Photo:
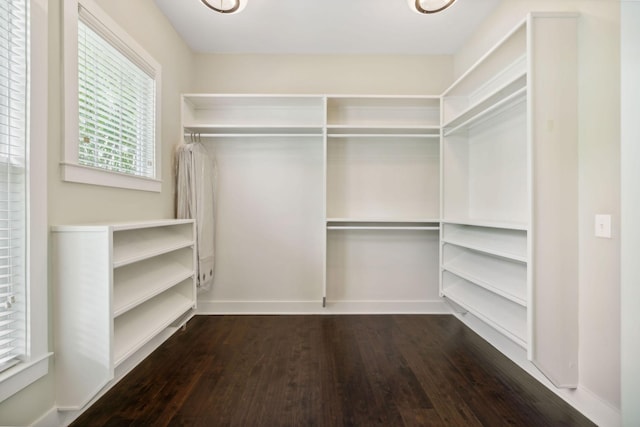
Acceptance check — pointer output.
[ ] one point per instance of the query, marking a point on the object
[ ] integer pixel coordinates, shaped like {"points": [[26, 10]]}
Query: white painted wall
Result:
{"points": [[630, 154], [74, 203], [599, 156], [323, 74]]}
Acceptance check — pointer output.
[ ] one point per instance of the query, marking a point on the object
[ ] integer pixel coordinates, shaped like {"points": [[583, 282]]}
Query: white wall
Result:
{"points": [[74, 203], [599, 156], [323, 74], [630, 154]]}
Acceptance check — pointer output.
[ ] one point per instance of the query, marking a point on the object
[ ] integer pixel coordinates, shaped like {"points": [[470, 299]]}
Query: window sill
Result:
{"points": [[23, 374], [88, 175]]}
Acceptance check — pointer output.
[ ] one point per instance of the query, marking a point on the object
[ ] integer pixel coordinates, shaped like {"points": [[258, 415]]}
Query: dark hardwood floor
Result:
{"points": [[395, 370]]}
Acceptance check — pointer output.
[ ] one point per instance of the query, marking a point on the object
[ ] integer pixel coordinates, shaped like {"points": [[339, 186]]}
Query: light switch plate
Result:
{"points": [[603, 226]]}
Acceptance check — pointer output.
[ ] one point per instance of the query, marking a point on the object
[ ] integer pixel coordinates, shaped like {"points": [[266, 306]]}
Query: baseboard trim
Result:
{"points": [[315, 307], [581, 398], [50, 419]]}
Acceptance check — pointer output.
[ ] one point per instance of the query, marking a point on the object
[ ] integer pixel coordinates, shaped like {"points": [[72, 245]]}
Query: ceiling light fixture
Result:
{"points": [[429, 6], [225, 6]]}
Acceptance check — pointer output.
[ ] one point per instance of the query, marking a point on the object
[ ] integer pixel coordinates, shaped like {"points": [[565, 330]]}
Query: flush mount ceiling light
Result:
{"points": [[429, 6], [225, 6]]}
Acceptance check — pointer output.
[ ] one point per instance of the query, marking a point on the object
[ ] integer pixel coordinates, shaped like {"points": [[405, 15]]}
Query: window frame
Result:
{"points": [[71, 169], [36, 364]]}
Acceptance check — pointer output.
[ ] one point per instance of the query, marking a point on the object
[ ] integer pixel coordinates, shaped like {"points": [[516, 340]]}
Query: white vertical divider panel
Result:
{"points": [[82, 318], [554, 229], [325, 213]]}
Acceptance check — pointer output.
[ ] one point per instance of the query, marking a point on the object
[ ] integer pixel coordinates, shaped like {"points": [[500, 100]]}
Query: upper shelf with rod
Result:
{"points": [[219, 115]]}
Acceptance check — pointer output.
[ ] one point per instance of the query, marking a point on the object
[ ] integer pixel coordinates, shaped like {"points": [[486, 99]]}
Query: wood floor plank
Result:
{"points": [[400, 370]]}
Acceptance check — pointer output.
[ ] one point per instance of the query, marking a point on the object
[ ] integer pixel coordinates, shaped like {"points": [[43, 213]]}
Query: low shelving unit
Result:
{"points": [[118, 286]]}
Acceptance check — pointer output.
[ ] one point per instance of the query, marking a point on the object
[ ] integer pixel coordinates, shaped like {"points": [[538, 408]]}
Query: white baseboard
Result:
{"points": [[50, 419], [582, 399], [315, 307]]}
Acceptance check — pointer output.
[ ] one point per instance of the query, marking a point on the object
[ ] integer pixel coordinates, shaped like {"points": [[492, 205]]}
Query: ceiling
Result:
{"points": [[326, 26]]}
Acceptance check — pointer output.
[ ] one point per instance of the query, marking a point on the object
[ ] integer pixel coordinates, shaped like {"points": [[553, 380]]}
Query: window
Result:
{"points": [[13, 142], [23, 215], [111, 90]]}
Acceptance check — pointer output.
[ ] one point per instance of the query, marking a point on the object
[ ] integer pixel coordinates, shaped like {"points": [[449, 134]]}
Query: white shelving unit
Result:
{"points": [[241, 116], [269, 214], [382, 200], [117, 287], [509, 187]]}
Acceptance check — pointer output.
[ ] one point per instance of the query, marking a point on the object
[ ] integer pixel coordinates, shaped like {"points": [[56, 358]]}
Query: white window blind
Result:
{"points": [[117, 106], [13, 139]]}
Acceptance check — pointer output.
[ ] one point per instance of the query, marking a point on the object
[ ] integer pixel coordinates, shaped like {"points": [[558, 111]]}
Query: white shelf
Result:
{"points": [[409, 112], [385, 220], [506, 243], [253, 114], [135, 328], [338, 224], [137, 245], [373, 131], [136, 283], [502, 314], [509, 225], [207, 131], [491, 107], [499, 275]]}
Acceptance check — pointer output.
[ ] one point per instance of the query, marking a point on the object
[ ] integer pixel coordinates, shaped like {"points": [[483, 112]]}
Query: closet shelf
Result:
{"points": [[387, 224], [500, 276], [347, 131], [132, 329], [508, 225], [218, 131], [491, 107], [135, 251], [159, 274], [482, 246], [505, 243], [498, 312]]}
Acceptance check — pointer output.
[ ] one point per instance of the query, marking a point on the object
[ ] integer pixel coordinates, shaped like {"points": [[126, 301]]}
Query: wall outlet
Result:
{"points": [[603, 226]]}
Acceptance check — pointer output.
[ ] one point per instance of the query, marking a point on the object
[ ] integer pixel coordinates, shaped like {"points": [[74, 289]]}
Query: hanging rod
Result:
{"points": [[197, 137]]}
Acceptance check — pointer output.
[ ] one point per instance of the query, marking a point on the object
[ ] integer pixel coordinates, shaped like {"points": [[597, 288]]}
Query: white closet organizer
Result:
{"points": [[252, 115], [269, 224], [117, 287], [382, 201], [509, 192]]}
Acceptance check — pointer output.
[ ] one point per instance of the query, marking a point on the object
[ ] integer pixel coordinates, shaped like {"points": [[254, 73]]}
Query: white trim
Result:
{"points": [[87, 175], [582, 399], [71, 170], [23, 374], [315, 307], [49, 419], [37, 366]]}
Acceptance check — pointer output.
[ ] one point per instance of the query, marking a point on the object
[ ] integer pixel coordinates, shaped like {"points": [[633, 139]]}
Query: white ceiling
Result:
{"points": [[326, 26]]}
